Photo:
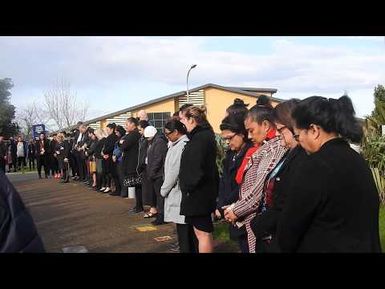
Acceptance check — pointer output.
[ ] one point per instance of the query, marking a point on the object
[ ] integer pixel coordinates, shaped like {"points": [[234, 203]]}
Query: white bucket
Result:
{"points": [[131, 192]]}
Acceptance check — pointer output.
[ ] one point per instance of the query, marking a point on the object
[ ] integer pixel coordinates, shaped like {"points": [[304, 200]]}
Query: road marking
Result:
{"points": [[162, 238], [146, 228], [75, 249]]}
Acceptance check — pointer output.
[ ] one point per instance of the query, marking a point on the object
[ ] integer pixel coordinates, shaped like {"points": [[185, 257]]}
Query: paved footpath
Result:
{"points": [[70, 215]]}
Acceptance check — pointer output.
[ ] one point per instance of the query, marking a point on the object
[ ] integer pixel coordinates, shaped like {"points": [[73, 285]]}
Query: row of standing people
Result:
{"points": [[298, 186], [14, 155]]}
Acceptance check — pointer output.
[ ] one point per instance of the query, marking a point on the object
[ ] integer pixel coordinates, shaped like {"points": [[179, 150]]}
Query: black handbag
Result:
{"points": [[132, 181]]}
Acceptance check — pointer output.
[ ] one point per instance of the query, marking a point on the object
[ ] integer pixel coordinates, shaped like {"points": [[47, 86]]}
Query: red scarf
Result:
{"points": [[239, 176]]}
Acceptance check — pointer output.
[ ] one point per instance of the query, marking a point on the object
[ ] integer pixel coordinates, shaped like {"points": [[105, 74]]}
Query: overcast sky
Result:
{"points": [[112, 73]]}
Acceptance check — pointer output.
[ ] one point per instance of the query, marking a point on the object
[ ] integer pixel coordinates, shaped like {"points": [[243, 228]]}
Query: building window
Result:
{"points": [[158, 119]]}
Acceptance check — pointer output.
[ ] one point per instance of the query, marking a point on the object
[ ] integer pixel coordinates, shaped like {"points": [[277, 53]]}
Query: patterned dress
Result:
{"points": [[250, 193]]}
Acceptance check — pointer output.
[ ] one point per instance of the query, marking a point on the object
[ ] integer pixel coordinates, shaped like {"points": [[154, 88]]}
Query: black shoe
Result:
{"points": [[158, 222], [64, 181], [135, 210], [114, 194]]}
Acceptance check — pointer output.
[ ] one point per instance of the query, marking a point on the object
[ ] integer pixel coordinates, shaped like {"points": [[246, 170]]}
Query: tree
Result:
{"points": [[373, 144], [30, 115], [62, 105], [7, 110]]}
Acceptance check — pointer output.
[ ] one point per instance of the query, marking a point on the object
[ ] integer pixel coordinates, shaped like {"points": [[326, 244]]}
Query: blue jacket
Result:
{"points": [[17, 229]]}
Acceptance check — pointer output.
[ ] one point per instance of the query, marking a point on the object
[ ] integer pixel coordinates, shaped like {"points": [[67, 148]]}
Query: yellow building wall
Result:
{"points": [[164, 106], [218, 100]]}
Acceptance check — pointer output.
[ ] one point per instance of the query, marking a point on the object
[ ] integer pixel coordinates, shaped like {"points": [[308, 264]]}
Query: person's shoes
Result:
{"points": [[174, 247], [64, 181], [114, 194], [107, 190], [102, 189], [135, 210], [150, 215], [158, 222]]}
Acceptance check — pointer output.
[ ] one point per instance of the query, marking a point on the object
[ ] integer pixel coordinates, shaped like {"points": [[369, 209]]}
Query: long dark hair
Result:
{"points": [[333, 115], [234, 123], [174, 124], [263, 110], [238, 106], [198, 113], [112, 126], [282, 113]]}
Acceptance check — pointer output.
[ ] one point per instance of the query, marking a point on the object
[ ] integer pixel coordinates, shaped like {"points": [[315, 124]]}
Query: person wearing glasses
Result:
{"points": [[333, 203], [235, 135], [259, 124], [264, 224]]}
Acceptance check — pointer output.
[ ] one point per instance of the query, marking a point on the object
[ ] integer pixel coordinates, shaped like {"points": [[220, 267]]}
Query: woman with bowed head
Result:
{"points": [[333, 203]]}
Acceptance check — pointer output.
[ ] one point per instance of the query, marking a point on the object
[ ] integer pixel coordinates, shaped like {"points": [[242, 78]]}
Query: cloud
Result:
{"points": [[102, 69]]}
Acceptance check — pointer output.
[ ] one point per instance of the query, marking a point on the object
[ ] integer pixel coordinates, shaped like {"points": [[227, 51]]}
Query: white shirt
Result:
{"points": [[79, 137]]}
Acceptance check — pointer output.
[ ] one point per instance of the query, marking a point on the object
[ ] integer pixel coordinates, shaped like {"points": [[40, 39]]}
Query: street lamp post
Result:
{"points": [[188, 73]]}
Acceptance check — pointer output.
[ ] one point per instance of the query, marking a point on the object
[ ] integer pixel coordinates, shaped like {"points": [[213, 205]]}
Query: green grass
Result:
{"points": [[382, 227], [221, 232]]}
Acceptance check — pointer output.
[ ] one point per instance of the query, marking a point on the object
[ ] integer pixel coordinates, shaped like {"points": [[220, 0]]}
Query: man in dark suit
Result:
{"points": [[13, 153], [80, 145], [42, 152]]}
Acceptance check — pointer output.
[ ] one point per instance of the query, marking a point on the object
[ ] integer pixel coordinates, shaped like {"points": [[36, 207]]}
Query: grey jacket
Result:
{"points": [[170, 188]]}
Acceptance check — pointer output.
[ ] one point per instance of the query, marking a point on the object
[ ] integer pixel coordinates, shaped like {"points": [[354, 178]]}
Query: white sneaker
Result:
{"points": [[102, 189], [107, 190]]}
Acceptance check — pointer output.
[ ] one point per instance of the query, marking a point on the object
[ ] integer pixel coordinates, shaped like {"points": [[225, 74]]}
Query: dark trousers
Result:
{"points": [[21, 162], [31, 161], [159, 200], [73, 165], [53, 165], [81, 166], [188, 243], [41, 161], [14, 162], [65, 170], [123, 189], [138, 197], [243, 245], [2, 164], [115, 177]]}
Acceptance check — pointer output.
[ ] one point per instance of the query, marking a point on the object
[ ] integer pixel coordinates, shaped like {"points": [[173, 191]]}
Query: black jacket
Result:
{"points": [[92, 147], [62, 150], [17, 229], [46, 148], [142, 154], [109, 144], [99, 147], [198, 174], [228, 187], [332, 204], [13, 146], [31, 150], [156, 155], [129, 149], [265, 224], [3, 150]]}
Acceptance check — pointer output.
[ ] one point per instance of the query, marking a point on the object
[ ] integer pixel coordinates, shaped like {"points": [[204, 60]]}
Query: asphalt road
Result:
{"points": [[71, 215]]}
